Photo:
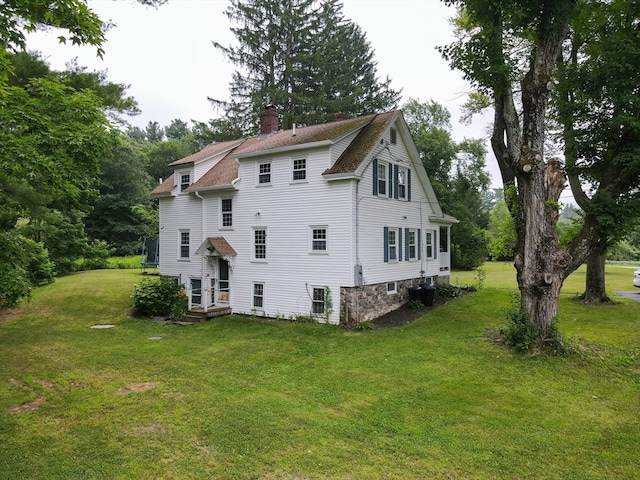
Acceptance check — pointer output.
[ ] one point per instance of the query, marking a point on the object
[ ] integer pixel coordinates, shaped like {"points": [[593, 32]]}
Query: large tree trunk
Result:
{"points": [[540, 263], [595, 291]]}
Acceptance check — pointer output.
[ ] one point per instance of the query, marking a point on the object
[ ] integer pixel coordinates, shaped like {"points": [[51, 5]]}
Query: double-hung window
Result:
{"points": [[226, 209], [185, 180], [382, 178], [264, 173], [412, 245], [258, 295], [392, 245], [319, 239], [429, 243], [259, 244], [317, 304], [184, 244], [299, 169], [402, 183]]}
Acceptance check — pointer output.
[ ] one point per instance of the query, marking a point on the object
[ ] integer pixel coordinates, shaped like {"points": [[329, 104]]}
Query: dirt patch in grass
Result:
{"points": [[136, 387], [8, 314], [26, 407]]}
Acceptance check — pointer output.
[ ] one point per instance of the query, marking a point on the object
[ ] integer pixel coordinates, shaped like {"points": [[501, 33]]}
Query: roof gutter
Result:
{"points": [[443, 220]]}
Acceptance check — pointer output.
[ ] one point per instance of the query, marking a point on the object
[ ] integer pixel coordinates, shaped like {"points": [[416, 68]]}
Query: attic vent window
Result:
{"points": [[393, 136]]}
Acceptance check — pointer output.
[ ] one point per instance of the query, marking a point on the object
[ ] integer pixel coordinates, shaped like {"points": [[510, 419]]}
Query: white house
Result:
{"points": [[334, 221]]}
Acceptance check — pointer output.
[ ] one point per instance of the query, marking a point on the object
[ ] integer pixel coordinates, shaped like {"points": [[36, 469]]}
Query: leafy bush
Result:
{"points": [[415, 305], [160, 297], [447, 290], [523, 335], [96, 256], [364, 325], [24, 264]]}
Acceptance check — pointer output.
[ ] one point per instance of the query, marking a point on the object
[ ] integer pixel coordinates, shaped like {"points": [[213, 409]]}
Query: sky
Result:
{"points": [[167, 57]]}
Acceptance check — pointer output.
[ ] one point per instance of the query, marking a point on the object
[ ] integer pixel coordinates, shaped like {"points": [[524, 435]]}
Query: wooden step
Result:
{"points": [[196, 315]]}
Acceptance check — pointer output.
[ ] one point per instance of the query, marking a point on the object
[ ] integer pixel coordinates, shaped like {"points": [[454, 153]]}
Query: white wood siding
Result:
{"points": [[182, 212], [377, 212], [287, 209]]}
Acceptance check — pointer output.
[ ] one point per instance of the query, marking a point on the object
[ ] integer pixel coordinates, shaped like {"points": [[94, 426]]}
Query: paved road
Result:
{"points": [[633, 294]]}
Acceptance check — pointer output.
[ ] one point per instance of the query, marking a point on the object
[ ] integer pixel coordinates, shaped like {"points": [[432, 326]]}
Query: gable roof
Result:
{"points": [[223, 174], [209, 151], [216, 245], [364, 142]]}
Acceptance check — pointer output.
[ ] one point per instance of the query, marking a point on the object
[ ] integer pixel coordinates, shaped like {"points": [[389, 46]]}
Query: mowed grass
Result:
{"points": [[243, 398]]}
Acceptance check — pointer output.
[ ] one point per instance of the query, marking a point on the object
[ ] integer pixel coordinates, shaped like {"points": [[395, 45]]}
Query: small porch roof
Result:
{"points": [[216, 247]]}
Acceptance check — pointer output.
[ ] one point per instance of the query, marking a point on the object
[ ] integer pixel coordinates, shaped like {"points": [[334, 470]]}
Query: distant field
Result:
{"points": [[503, 275]]}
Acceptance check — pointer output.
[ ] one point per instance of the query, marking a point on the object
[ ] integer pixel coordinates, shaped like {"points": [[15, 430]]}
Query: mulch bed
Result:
{"points": [[405, 314]]}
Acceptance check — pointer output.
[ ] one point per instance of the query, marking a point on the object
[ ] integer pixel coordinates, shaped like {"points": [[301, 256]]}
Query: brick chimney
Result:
{"points": [[269, 121]]}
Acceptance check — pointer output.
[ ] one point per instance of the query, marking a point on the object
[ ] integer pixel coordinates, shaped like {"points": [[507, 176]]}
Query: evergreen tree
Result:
{"points": [[304, 57]]}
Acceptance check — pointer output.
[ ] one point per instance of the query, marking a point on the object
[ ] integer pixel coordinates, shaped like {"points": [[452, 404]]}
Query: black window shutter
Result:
{"points": [[375, 176], [409, 185], [419, 241], [395, 181], [386, 244], [399, 244], [390, 175], [406, 244]]}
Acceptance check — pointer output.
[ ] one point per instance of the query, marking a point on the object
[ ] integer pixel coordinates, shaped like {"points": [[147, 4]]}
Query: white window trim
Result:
{"points": [[326, 240], [222, 226], [415, 244], [253, 295], [306, 170], [265, 184], [427, 234], [314, 301], [384, 178], [402, 171], [394, 290], [180, 245], [393, 230], [253, 245], [179, 175]]}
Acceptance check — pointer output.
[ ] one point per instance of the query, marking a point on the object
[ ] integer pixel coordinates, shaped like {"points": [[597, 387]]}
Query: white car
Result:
{"points": [[636, 278]]}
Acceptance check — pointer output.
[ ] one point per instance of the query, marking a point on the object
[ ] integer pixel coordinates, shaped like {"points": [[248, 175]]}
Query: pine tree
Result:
{"points": [[304, 57]]}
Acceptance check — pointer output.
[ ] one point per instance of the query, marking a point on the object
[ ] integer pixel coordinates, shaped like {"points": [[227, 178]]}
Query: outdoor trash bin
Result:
{"points": [[426, 294], [414, 293]]}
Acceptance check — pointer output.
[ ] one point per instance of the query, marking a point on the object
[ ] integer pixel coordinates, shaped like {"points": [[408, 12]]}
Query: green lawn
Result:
{"points": [[244, 398]]}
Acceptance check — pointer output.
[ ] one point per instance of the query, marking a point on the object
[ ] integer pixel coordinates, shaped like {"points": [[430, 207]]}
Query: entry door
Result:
{"points": [[196, 291], [223, 280]]}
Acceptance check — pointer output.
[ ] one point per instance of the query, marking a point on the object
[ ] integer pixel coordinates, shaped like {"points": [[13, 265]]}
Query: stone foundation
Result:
{"points": [[367, 302]]}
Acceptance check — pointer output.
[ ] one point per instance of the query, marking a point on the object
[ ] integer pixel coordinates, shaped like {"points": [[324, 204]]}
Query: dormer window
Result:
{"points": [[185, 180]]}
